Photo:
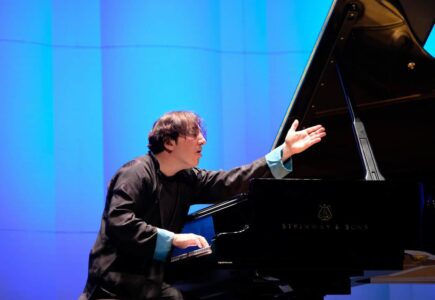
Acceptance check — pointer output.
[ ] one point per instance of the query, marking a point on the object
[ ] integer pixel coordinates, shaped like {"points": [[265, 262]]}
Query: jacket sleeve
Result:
{"points": [[125, 210], [215, 186]]}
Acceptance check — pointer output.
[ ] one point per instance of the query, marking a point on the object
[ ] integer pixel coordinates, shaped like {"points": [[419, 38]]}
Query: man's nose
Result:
{"points": [[201, 139]]}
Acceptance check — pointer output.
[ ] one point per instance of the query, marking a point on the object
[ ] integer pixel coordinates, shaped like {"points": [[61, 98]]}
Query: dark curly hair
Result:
{"points": [[172, 125]]}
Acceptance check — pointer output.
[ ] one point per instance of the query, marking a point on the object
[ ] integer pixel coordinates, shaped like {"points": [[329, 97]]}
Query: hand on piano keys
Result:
{"points": [[184, 240], [298, 141]]}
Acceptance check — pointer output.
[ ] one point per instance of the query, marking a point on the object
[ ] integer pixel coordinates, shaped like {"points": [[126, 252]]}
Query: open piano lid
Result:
{"points": [[376, 46], [390, 80]]}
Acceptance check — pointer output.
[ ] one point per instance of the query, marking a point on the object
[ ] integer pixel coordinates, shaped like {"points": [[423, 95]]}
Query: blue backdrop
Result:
{"points": [[81, 83]]}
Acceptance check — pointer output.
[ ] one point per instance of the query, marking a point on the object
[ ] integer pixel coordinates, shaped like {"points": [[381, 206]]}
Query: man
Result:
{"points": [[149, 197]]}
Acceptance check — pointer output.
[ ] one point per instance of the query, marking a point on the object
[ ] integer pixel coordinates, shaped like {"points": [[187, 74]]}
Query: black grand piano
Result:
{"points": [[357, 201]]}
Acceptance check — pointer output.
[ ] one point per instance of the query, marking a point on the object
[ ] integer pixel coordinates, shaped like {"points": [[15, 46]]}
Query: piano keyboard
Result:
{"points": [[191, 254]]}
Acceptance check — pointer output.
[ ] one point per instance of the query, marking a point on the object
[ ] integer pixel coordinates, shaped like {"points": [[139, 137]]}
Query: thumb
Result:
{"points": [[294, 125]]}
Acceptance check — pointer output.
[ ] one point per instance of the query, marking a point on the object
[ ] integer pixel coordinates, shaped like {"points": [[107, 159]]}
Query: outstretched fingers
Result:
{"points": [[315, 129], [318, 134]]}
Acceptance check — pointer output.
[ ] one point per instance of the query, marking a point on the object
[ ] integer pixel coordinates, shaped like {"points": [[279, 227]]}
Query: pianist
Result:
{"points": [[149, 197]]}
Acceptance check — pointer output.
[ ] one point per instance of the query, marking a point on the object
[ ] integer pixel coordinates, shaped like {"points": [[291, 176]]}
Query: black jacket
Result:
{"points": [[122, 256]]}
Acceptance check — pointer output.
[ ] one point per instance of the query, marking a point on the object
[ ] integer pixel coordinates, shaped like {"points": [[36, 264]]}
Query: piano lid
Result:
{"points": [[390, 80]]}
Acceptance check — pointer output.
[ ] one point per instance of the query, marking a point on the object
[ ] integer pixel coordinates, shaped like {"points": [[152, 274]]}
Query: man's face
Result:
{"points": [[187, 150]]}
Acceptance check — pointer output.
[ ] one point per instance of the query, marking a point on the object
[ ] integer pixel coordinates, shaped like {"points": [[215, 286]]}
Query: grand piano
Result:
{"points": [[371, 84]]}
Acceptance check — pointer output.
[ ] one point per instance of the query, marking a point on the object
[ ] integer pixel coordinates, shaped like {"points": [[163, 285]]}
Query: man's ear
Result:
{"points": [[169, 145]]}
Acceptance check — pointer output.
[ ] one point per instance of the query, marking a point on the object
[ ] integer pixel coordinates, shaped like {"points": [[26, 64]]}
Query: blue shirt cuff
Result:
{"points": [[277, 167], [163, 244]]}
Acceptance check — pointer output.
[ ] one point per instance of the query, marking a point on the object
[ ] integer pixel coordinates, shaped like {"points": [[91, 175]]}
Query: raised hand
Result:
{"points": [[299, 141]]}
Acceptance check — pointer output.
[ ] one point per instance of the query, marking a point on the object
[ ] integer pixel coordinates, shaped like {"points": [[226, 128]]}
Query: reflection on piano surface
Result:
{"points": [[372, 85]]}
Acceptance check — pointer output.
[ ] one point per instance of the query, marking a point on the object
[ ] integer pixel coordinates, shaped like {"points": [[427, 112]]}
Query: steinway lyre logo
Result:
{"points": [[325, 213]]}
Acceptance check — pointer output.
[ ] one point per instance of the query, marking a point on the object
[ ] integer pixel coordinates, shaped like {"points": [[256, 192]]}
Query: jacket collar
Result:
{"points": [[180, 174]]}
